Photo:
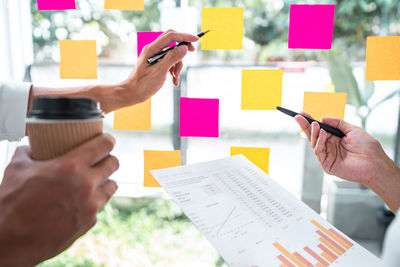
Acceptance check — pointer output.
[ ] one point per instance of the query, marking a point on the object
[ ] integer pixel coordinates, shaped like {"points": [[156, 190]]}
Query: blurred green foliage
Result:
{"points": [[130, 228], [357, 19], [266, 25], [89, 21], [66, 261]]}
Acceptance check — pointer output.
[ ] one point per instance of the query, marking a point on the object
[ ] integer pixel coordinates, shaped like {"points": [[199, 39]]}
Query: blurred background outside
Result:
{"points": [[142, 227]]}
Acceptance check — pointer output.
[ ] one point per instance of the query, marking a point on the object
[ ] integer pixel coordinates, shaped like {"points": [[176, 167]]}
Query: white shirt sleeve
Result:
{"points": [[391, 248], [14, 99]]}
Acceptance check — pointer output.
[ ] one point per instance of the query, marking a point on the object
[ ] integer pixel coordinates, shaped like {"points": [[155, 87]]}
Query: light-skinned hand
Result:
{"points": [[357, 157], [46, 205], [146, 79], [352, 157]]}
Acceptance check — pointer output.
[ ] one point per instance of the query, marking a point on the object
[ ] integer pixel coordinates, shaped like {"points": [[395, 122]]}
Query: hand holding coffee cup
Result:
{"points": [[56, 125]]}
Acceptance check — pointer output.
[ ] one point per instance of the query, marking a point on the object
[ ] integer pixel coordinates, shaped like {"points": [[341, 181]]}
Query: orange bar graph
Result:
{"points": [[326, 256], [341, 237], [285, 261], [316, 256], [327, 251], [302, 259], [336, 245], [330, 246], [333, 236], [289, 255]]}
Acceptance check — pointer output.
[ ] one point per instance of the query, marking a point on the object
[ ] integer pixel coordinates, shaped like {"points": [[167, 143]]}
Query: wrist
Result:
{"points": [[132, 90], [386, 182]]}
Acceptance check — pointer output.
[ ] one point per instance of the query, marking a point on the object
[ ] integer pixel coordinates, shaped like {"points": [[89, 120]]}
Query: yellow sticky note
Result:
{"points": [[261, 89], [154, 160], [383, 58], [134, 118], [78, 59], [124, 4], [258, 155], [320, 105], [226, 28]]}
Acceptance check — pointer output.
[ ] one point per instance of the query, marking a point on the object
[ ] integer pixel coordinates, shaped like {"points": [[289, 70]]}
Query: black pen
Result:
{"points": [[327, 128], [154, 59]]}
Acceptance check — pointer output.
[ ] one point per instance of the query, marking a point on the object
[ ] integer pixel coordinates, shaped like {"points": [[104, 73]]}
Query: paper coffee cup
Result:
{"points": [[57, 125]]}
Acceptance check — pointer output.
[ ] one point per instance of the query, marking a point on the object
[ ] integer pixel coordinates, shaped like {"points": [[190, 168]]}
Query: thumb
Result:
{"points": [[174, 56], [22, 153], [345, 127]]}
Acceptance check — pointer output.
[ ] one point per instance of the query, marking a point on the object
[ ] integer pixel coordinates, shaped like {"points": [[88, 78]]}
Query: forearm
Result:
{"points": [[144, 81], [110, 97], [387, 183]]}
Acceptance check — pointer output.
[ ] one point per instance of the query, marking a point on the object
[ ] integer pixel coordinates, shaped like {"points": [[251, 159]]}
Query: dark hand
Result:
{"points": [[45, 206]]}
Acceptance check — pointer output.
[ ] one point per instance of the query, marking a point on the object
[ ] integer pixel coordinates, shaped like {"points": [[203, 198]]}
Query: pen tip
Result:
{"points": [[206, 31]]}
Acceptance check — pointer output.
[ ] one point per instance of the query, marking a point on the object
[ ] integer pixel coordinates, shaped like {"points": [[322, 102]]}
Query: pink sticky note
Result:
{"points": [[311, 26], [199, 117], [56, 4], [144, 38]]}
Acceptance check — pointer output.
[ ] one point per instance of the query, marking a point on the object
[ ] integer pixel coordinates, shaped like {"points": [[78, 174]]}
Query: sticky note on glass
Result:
{"points": [[134, 118], [261, 89], [311, 26], [383, 58], [199, 117], [78, 59], [226, 28], [320, 105], [145, 38], [56, 4], [258, 155], [154, 160], [124, 4]]}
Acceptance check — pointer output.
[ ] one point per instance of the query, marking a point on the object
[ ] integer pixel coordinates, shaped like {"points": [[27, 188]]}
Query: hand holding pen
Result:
{"points": [[356, 157], [154, 59], [310, 120], [145, 80]]}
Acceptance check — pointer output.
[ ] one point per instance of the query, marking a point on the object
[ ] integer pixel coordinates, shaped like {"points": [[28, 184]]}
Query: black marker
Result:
{"points": [[327, 128], [162, 54]]}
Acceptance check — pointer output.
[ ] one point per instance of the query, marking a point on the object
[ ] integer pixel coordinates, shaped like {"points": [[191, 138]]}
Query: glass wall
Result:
{"points": [[142, 226]]}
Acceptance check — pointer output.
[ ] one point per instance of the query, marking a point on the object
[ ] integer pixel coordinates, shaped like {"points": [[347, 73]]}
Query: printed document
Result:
{"points": [[253, 221]]}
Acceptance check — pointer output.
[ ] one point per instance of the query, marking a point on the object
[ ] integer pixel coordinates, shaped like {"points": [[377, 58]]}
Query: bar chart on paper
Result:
{"points": [[252, 221], [332, 245]]}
